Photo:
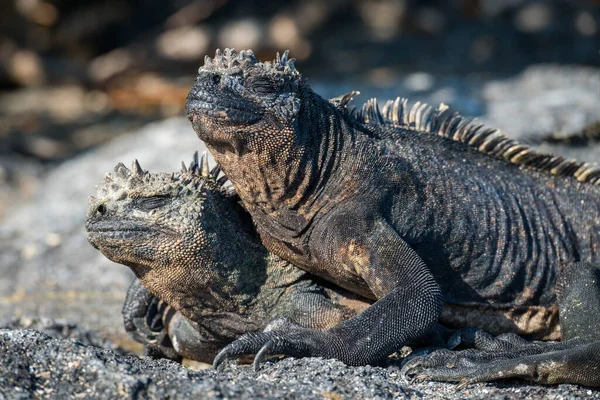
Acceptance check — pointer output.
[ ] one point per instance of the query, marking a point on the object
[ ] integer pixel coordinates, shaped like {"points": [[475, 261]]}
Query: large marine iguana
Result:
{"points": [[411, 208], [192, 246]]}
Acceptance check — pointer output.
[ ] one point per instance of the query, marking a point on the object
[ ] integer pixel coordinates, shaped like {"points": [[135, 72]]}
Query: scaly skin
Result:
{"points": [[192, 246], [377, 204]]}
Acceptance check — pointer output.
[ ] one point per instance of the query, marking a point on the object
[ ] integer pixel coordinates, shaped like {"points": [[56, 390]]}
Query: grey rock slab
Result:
{"points": [[61, 329], [543, 100]]}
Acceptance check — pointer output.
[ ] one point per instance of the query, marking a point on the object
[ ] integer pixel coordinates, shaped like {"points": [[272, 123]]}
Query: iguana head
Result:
{"points": [[176, 232], [242, 103]]}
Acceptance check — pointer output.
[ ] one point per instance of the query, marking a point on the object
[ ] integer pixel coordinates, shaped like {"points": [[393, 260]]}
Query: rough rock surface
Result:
{"points": [[37, 364], [49, 270]]}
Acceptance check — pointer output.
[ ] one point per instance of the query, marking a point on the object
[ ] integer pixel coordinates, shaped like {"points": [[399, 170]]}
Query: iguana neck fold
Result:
{"points": [[287, 170]]}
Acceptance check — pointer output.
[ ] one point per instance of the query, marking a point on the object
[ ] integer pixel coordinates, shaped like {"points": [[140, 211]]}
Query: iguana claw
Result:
{"points": [[249, 343], [144, 333], [221, 357], [259, 343], [294, 341], [262, 354]]}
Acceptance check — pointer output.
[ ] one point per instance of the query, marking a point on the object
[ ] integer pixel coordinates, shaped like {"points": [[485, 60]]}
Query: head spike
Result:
{"points": [[222, 180], [184, 169], [122, 171], [201, 162], [205, 169], [136, 168], [215, 172], [218, 60], [194, 164], [291, 64]]}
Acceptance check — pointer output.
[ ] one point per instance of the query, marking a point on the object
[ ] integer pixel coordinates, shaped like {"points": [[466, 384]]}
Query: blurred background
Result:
{"points": [[69, 67], [86, 84]]}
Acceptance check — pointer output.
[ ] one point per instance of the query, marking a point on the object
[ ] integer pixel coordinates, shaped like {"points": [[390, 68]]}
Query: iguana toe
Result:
{"points": [[143, 332], [260, 344], [295, 342], [548, 363], [143, 319]]}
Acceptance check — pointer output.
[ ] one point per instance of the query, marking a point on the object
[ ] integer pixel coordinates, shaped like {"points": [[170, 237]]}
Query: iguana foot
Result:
{"points": [[509, 356], [143, 316], [281, 337]]}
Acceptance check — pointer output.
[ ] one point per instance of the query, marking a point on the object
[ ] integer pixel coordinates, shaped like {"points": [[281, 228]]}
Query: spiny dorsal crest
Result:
{"points": [[191, 178], [342, 101], [245, 58], [201, 169], [441, 121]]}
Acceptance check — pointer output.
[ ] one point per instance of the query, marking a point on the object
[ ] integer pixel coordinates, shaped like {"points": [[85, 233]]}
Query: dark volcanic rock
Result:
{"points": [[35, 364], [60, 329]]}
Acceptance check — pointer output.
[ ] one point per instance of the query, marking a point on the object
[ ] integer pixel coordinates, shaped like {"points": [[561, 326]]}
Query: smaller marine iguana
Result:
{"points": [[414, 208], [190, 244]]}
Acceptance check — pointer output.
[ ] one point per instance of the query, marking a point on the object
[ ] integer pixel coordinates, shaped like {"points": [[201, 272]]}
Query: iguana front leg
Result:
{"points": [[165, 332], [143, 317], [575, 360], [409, 299]]}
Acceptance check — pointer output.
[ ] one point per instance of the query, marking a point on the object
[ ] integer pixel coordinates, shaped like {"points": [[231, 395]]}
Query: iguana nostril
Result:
{"points": [[101, 209]]}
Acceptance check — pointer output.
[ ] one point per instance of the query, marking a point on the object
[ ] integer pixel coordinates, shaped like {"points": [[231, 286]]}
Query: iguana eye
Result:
{"points": [[263, 85], [150, 203]]}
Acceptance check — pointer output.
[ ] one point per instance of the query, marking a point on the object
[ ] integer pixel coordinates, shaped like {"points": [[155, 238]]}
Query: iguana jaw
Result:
{"points": [[99, 231], [232, 111], [211, 130], [128, 240]]}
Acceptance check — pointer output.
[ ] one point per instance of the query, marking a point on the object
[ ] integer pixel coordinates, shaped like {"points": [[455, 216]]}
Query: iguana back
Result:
{"points": [[391, 212]]}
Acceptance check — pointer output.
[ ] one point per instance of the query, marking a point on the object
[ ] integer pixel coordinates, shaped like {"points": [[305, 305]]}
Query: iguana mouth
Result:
{"points": [[100, 231], [228, 110], [119, 233]]}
